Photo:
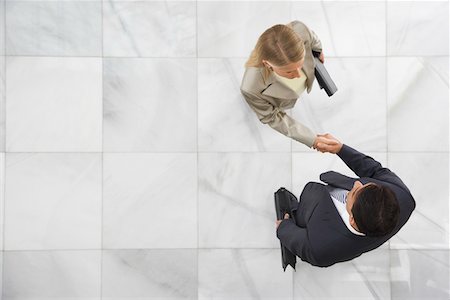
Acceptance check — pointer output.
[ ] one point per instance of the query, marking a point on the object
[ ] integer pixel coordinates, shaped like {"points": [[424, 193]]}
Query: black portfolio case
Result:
{"points": [[283, 200], [322, 76]]}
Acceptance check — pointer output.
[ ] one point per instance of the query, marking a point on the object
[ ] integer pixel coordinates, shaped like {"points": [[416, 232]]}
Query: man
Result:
{"points": [[349, 216]]}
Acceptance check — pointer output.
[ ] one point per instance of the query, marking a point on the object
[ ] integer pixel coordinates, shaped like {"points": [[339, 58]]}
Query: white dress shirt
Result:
{"points": [[339, 197]]}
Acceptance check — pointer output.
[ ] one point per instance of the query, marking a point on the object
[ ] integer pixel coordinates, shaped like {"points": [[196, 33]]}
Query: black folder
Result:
{"points": [[283, 199], [322, 76]]}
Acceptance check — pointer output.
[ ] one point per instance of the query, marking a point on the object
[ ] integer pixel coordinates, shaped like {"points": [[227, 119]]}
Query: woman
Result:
{"points": [[279, 70]]}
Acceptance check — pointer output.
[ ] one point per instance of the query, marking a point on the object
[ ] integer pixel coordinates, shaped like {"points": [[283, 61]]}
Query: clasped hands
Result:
{"points": [[327, 143]]}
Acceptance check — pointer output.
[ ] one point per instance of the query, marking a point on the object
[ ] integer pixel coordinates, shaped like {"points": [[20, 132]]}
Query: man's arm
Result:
{"points": [[361, 164], [295, 238]]}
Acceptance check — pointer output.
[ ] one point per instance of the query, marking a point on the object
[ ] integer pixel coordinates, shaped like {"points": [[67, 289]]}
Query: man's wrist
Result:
{"points": [[341, 146]]}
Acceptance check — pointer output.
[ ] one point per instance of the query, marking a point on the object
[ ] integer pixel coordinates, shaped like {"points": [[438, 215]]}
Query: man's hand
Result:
{"points": [[278, 222], [327, 143], [322, 140]]}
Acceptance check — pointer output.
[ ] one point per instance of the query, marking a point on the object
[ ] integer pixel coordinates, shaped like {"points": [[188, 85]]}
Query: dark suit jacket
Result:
{"points": [[320, 237]]}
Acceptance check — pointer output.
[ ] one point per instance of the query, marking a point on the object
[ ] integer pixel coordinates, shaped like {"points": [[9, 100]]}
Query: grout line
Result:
{"points": [[211, 57], [3, 171], [291, 9], [197, 152], [441, 249], [219, 152], [448, 62], [102, 156]]}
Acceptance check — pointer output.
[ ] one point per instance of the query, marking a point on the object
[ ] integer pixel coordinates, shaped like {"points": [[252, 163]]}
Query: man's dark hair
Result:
{"points": [[376, 210]]}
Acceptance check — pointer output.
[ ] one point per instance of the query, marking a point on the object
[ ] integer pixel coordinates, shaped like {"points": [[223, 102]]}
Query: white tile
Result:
{"points": [[420, 274], [418, 99], [2, 29], [243, 274], [2, 78], [418, 28], [161, 29], [365, 277], [2, 198], [149, 274], [231, 29], [362, 32], [150, 104], [53, 104], [51, 275], [236, 202], [225, 121], [104, 1], [53, 201], [356, 114], [1, 274], [2, 103], [54, 28], [150, 201], [427, 177]]}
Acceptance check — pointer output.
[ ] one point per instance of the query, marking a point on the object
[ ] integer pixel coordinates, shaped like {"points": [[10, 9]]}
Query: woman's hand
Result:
{"points": [[327, 143], [321, 57]]}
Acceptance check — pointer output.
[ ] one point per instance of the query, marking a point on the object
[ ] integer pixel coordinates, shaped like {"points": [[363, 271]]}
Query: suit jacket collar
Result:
{"points": [[338, 180], [329, 212]]}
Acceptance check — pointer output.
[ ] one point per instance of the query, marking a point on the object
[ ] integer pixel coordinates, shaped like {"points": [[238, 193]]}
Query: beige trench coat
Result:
{"points": [[269, 98]]}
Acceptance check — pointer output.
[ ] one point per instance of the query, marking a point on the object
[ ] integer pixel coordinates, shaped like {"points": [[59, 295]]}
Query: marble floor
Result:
{"points": [[132, 169]]}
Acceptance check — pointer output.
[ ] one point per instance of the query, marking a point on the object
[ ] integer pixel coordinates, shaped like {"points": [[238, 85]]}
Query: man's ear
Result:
{"points": [[353, 223]]}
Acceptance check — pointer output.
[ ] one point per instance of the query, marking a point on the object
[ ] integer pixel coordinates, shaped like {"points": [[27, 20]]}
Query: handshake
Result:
{"points": [[327, 143]]}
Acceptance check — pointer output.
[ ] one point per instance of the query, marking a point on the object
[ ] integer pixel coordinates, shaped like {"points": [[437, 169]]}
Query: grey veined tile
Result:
{"points": [[243, 274], [236, 207], [150, 201], [149, 104], [420, 275], [231, 29], [418, 97], [366, 277], [2, 198], [427, 176], [2, 103], [417, 28], [53, 201], [149, 274], [362, 32], [2, 78], [55, 28], [52, 275], [54, 104], [156, 29]]}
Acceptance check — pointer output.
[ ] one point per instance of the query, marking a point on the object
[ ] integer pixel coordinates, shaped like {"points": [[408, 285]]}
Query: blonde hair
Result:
{"points": [[280, 45]]}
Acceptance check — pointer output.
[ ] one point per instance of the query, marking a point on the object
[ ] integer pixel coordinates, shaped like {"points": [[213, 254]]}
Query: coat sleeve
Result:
{"points": [[279, 120], [295, 238]]}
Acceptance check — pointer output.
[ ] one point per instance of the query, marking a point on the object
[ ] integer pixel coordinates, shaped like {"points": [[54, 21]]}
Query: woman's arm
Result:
{"points": [[279, 120]]}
